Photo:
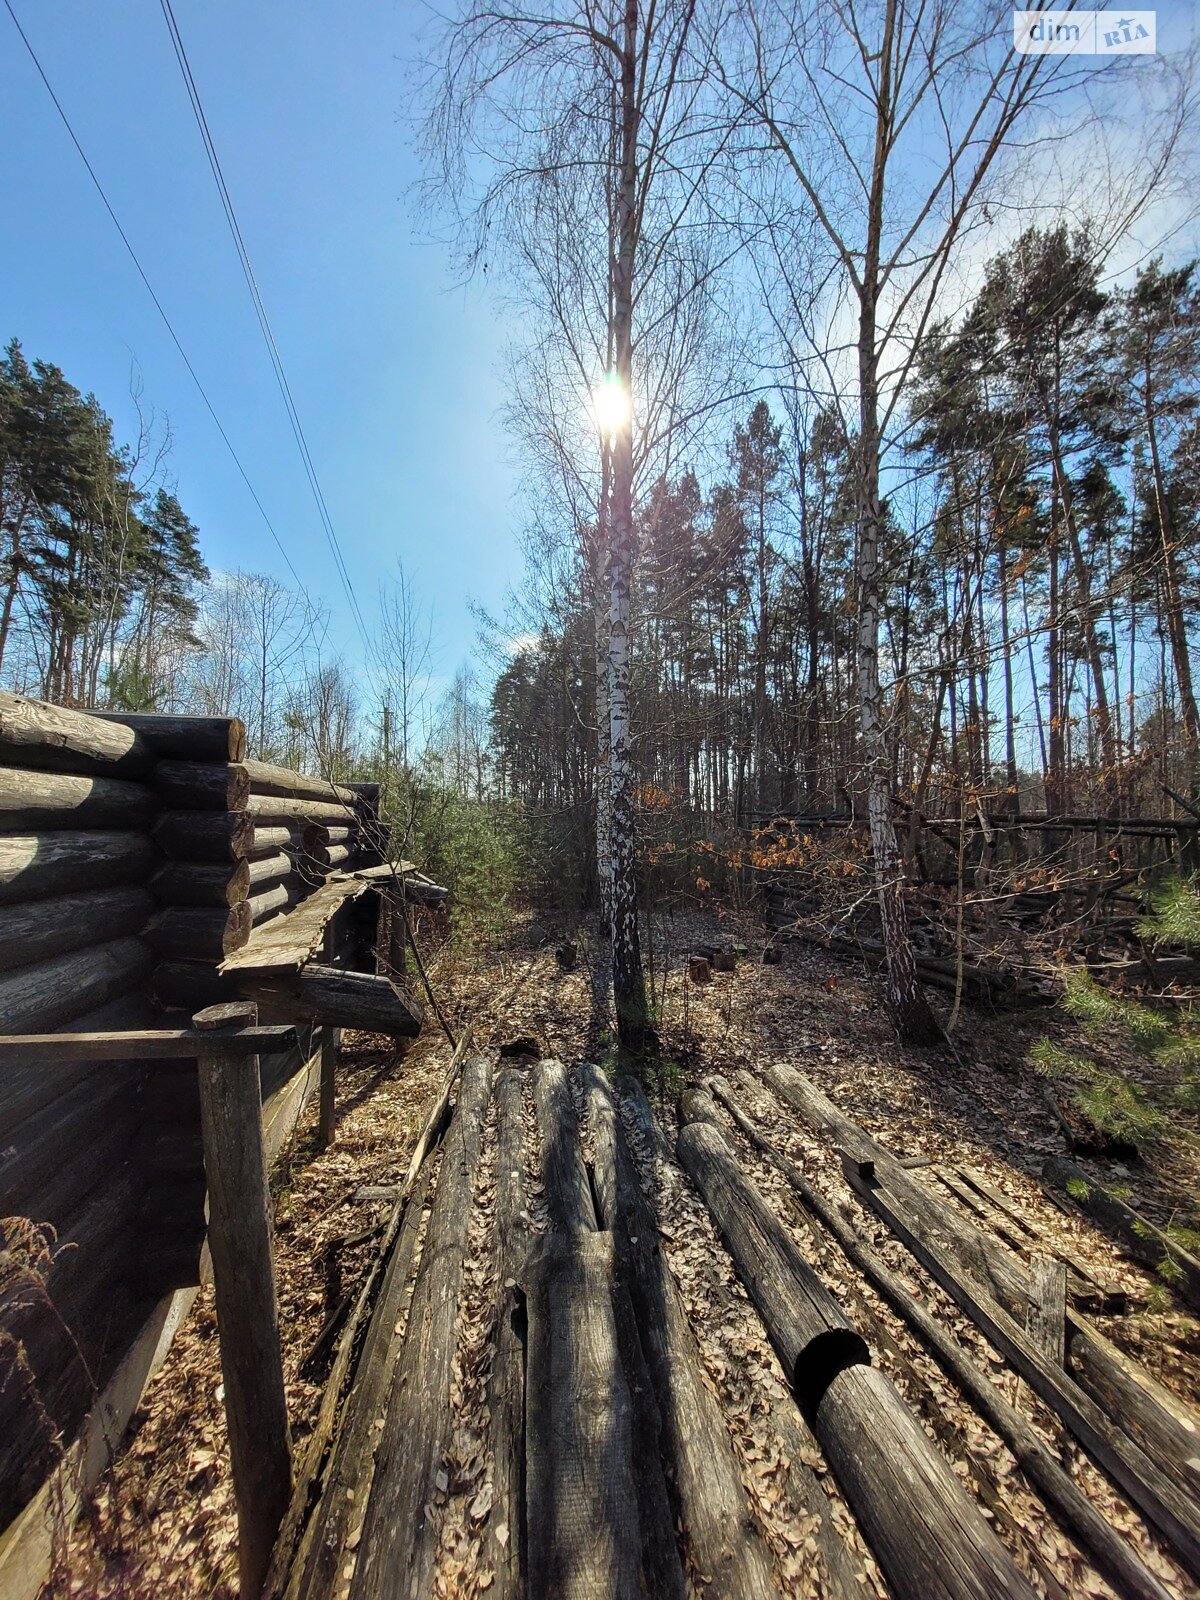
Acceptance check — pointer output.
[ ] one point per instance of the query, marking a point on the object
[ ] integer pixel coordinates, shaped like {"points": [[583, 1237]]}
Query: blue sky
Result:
{"points": [[395, 372]]}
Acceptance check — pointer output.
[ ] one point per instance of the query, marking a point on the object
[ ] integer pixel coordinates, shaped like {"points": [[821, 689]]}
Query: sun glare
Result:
{"points": [[610, 405]]}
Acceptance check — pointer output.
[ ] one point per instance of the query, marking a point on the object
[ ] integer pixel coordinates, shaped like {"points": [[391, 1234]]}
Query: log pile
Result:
{"points": [[76, 805], [137, 852]]}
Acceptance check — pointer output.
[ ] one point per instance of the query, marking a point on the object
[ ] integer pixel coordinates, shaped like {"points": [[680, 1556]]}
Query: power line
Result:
{"points": [[158, 305], [281, 378]]}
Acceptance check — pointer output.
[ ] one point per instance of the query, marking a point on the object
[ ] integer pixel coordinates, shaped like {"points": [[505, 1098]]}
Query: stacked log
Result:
{"points": [[205, 830], [76, 805]]}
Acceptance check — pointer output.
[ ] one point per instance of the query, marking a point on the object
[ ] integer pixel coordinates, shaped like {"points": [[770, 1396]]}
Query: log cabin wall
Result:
{"points": [[135, 853]]}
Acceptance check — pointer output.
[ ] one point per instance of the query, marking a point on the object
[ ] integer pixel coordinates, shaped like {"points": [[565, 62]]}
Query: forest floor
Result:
{"points": [[163, 1522]]}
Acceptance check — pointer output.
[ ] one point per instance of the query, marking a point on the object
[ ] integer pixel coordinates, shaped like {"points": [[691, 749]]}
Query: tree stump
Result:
{"points": [[699, 969]]}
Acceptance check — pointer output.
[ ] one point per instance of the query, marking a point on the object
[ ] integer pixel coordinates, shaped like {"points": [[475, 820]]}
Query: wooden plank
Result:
{"points": [[1113, 1557], [290, 940], [1138, 1236], [1138, 1477], [582, 1510], [183, 738], [399, 1538], [239, 1238], [159, 1044], [34, 733], [33, 800], [34, 865], [68, 922]]}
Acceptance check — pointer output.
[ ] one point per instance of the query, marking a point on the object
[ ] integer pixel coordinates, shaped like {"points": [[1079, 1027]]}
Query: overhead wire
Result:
{"points": [[150, 290], [264, 322]]}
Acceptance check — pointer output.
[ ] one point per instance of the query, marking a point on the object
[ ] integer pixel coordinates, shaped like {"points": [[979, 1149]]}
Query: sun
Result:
{"points": [[611, 407]]}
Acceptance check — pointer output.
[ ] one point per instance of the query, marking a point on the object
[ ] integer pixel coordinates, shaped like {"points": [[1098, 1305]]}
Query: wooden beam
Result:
{"points": [[35, 865], [32, 800], [239, 1238], [54, 927], [274, 807], [140, 1044], [185, 738], [34, 733], [928, 1537], [289, 785], [204, 835], [338, 998], [200, 933], [582, 1510], [203, 785], [51, 992], [202, 883]]}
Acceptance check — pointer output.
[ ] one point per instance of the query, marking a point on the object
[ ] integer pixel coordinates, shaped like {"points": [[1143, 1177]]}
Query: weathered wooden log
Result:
{"points": [[33, 866], [34, 800], [927, 1535], [51, 738], [203, 785], [568, 1193], [34, 1178], [720, 1534], [1138, 1477], [812, 1335], [504, 1535], [289, 785], [269, 869], [204, 835], [202, 883], [1165, 1427], [339, 998], [1112, 1556], [275, 809], [345, 1484], [307, 1557], [239, 1239], [1139, 1237], [54, 927], [45, 995], [332, 858], [582, 1511], [269, 841], [399, 1539], [320, 835], [268, 900], [140, 1044], [200, 933], [185, 738]]}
